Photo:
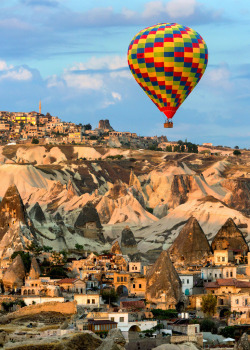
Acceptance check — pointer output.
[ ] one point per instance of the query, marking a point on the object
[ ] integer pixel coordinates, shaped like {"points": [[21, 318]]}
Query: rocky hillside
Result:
{"points": [[152, 193]]}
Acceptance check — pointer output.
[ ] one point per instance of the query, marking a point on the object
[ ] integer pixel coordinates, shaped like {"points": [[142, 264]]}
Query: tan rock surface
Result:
{"points": [[163, 282], [191, 246], [230, 237]]}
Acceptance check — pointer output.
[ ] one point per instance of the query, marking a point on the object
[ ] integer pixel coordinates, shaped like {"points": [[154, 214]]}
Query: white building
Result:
{"points": [[188, 282], [136, 266], [126, 323], [211, 273], [223, 257], [29, 300], [90, 300], [240, 303]]}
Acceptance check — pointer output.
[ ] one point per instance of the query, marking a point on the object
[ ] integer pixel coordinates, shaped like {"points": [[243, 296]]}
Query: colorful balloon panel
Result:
{"points": [[167, 60]]}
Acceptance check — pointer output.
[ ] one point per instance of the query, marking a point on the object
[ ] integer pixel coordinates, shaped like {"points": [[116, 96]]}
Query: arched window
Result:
{"points": [[33, 292]]}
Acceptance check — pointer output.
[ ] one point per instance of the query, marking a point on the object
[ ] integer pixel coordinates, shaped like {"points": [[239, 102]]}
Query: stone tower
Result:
{"points": [[40, 107]]}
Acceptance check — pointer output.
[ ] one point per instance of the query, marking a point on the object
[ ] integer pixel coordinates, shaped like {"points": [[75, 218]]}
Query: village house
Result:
{"points": [[227, 286], [88, 300], [211, 273]]}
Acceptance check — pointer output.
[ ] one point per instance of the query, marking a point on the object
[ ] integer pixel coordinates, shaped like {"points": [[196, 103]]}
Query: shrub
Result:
{"points": [[208, 325], [228, 332], [236, 152]]}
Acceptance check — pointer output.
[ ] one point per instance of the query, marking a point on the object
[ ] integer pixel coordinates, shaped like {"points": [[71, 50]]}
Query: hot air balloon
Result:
{"points": [[167, 60]]}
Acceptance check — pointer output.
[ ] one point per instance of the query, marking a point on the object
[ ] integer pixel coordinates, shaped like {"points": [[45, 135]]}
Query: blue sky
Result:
{"points": [[71, 54]]}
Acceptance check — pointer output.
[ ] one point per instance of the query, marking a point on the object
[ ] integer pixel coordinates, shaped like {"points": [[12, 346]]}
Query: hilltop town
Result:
{"points": [[37, 128], [109, 240]]}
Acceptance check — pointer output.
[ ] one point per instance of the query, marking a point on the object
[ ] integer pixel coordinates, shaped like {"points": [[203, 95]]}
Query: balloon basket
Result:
{"points": [[168, 125]]}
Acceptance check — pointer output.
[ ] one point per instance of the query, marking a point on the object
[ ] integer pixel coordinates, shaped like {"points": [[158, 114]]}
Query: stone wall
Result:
{"points": [[176, 339]]}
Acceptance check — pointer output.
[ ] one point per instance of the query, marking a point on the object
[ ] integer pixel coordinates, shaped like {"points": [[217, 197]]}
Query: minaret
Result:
{"points": [[40, 107]]}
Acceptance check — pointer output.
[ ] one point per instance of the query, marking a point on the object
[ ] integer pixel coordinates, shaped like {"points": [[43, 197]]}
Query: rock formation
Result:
{"points": [[14, 275], [35, 271], [119, 189], [105, 125], [116, 249], [191, 246], [243, 343], [114, 341], [230, 237], [58, 219], [71, 190], [128, 242], [71, 341], [37, 214], [88, 222], [239, 197], [163, 283], [16, 229], [12, 210]]}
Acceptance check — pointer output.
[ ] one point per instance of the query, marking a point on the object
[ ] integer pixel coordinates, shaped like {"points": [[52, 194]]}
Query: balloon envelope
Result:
{"points": [[167, 60]]}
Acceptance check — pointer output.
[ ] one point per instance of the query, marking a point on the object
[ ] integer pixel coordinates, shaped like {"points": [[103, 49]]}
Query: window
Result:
{"points": [[183, 281], [93, 301], [118, 279], [218, 258], [125, 279], [139, 285], [223, 259], [121, 319], [133, 268], [187, 281], [134, 285], [231, 274], [88, 301], [227, 274], [121, 279], [112, 319], [215, 275]]}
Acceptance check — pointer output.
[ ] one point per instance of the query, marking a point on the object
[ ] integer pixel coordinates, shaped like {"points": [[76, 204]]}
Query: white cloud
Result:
{"points": [[54, 81], [173, 9], [153, 8], [17, 74], [181, 8], [116, 96], [4, 66], [105, 62], [83, 81], [219, 78]]}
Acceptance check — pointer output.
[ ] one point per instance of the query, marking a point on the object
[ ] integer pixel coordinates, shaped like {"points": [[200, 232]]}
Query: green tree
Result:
{"points": [[34, 248], [228, 332], [236, 152], [78, 246], [208, 325], [236, 147], [209, 303], [57, 272], [35, 141], [47, 249], [109, 295], [87, 126]]}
